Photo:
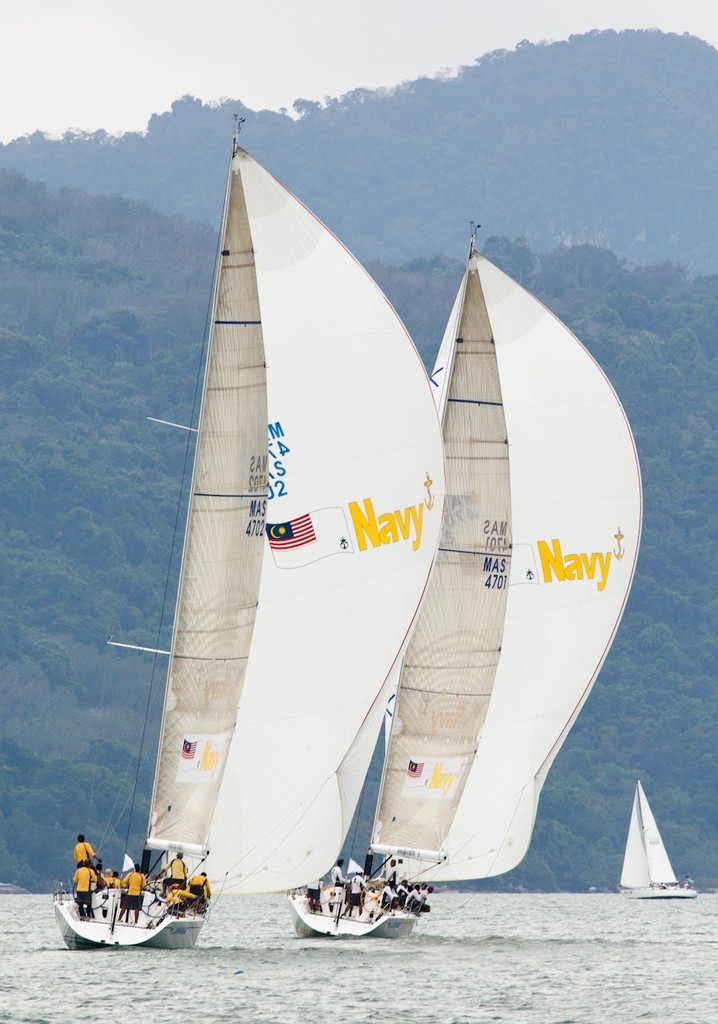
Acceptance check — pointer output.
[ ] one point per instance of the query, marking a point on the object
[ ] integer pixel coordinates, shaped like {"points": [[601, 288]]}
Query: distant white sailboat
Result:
{"points": [[263, 767], [539, 543], [647, 873]]}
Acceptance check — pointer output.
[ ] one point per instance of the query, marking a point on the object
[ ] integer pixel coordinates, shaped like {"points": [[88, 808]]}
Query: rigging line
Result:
{"points": [[185, 484], [110, 828]]}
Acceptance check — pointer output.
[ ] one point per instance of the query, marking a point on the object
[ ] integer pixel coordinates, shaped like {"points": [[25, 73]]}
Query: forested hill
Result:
{"points": [[102, 308], [608, 138]]}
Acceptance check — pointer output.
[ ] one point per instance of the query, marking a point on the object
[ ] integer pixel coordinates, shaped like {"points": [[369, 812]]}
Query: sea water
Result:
{"points": [[523, 959]]}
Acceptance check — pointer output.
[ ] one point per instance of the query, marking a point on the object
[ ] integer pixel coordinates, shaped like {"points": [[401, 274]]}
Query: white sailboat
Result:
{"points": [[538, 549], [647, 873], [259, 771]]}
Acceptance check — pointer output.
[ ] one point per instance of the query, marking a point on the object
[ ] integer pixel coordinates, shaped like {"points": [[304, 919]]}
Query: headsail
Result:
{"points": [[645, 861], [451, 662], [356, 493], [224, 547], [572, 530]]}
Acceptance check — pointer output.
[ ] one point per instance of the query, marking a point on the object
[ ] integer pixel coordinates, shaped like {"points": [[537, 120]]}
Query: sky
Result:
{"points": [[96, 64]]}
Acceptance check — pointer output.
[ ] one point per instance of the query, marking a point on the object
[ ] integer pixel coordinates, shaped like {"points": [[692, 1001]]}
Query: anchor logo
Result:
{"points": [[429, 499], [619, 537]]}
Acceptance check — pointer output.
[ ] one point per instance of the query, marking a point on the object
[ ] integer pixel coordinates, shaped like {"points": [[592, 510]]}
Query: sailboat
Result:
{"points": [[538, 549], [647, 873], [313, 523]]}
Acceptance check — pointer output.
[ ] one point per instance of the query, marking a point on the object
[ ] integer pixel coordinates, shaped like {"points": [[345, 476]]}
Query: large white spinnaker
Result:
{"points": [[574, 527], [356, 494], [223, 551]]}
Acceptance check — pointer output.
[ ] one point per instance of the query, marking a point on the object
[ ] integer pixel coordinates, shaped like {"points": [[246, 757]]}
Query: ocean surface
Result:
{"points": [[523, 959]]}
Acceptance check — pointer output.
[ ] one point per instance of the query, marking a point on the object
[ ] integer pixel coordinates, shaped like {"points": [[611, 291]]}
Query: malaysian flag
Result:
{"points": [[294, 534], [188, 749], [414, 770]]}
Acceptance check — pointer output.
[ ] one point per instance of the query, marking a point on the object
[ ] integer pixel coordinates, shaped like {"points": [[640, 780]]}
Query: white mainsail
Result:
{"points": [[645, 862], [356, 493], [224, 547], [563, 531]]}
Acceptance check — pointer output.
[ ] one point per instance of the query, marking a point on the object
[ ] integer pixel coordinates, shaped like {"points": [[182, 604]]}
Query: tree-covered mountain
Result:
{"points": [[102, 307], [609, 138]]}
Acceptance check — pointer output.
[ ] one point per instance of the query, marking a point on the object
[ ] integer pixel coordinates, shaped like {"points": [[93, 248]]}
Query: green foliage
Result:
{"points": [[609, 138], [92, 497]]}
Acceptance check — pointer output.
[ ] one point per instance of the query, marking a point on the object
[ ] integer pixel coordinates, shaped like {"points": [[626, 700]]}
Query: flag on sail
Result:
{"points": [[201, 757], [431, 778], [309, 537]]}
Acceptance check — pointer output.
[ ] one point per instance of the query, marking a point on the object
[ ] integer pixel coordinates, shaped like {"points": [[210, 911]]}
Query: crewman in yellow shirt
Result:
{"points": [[200, 888], [84, 878], [177, 873], [83, 850], [135, 882]]}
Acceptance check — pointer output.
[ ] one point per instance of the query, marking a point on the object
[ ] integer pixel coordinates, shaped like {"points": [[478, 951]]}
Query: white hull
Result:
{"points": [[395, 925], [155, 929], [652, 892]]}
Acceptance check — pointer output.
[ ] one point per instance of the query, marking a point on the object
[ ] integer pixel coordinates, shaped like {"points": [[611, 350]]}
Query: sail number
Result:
{"points": [[496, 535], [257, 514], [278, 449], [497, 578]]}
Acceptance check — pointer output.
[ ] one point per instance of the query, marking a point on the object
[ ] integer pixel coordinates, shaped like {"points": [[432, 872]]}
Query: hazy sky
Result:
{"points": [[92, 64]]}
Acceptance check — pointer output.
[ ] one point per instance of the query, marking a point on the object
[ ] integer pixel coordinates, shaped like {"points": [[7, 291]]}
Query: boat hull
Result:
{"points": [[308, 925], [154, 932], [652, 893]]}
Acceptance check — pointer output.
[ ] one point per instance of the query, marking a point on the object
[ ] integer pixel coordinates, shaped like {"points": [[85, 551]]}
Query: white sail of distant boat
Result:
{"points": [[647, 871], [539, 543], [259, 757]]}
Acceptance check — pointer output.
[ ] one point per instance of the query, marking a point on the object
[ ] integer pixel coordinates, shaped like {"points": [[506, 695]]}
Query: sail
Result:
{"points": [[451, 662], [573, 525], [646, 861], [634, 874], [356, 493], [223, 552]]}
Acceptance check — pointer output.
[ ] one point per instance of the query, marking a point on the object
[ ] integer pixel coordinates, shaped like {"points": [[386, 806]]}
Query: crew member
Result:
{"points": [[358, 885], [389, 899], [83, 850], [314, 897], [177, 872], [200, 889], [135, 882], [84, 878], [338, 881]]}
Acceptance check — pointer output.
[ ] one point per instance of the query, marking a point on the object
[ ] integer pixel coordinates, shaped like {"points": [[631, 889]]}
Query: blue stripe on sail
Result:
{"points": [[473, 401], [485, 554], [209, 494], [240, 323]]}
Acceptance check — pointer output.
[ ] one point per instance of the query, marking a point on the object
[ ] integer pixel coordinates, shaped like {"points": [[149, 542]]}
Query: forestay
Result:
{"points": [[356, 493]]}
